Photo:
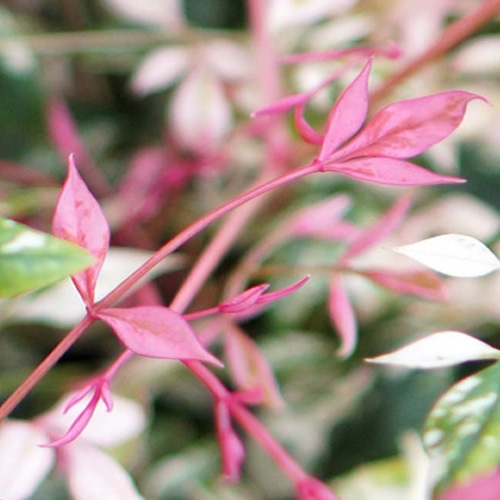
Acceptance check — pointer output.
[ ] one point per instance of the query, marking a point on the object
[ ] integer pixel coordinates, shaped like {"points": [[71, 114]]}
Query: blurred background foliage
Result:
{"points": [[340, 415]]}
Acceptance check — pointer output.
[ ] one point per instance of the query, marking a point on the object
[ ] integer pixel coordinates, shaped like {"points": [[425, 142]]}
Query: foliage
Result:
{"points": [[260, 199]]}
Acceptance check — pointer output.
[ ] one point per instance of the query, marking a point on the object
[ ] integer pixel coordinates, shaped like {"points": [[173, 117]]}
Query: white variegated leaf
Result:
{"points": [[438, 350], [453, 254]]}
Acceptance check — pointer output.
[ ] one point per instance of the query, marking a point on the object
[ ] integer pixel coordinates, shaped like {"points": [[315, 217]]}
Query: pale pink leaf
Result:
{"points": [[453, 254], [342, 316], [389, 171], [23, 464], [319, 220], [408, 128], [79, 218], [439, 350], [348, 113], [380, 229], [156, 332], [93, 475], [250, 369], [424, 284]]}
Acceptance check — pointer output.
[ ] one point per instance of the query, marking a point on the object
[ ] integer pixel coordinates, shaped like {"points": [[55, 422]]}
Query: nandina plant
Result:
{"points": [[355, 142]]}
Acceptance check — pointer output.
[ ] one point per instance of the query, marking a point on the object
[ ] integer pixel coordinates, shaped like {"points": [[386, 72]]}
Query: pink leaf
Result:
{"points": [[423, 284], [283, 105], [380, 229], [63, 131], [79, 218], [484, 487], [244, 300], [79, 424], [407, 128], [319, 220], [250, 368], [342, 316], [156, 332], [282, 292], [348, 114], [389, 171]]}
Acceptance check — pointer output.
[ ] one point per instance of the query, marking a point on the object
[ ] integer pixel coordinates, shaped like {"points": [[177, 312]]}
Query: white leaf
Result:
{"points": [[93, 475], [163, 13], [438, 350], [199, 113], [453, 254], [160, 69], [23, 464]]}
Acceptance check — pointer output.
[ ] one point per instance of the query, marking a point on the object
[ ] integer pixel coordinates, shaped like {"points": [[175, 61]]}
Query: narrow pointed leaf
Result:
{"points": [[79, 218], [156, 332], [342, 316], [422, 283], [407, 128], [389, 171], [462, 431], [244, 300], [438, 350], [380, 229], [453, 254], [31, 259], [348, 113]]}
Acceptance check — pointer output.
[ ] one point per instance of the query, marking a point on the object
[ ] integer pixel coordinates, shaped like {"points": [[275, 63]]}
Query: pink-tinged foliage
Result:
{"points": [[244, 300], [380, 229], [320, 220], [230, 445], [100, 391], [424, 284], [389, 171], [486, 487], [313, 489], [407, 128], [156, 332], [250, 369], [63, 132], [306, 132], [79, 218], [342, 316], [348, 114]]}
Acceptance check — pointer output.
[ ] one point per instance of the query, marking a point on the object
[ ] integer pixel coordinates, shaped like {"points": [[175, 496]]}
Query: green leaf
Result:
{"points": [[462, 431], [30, 259]]}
